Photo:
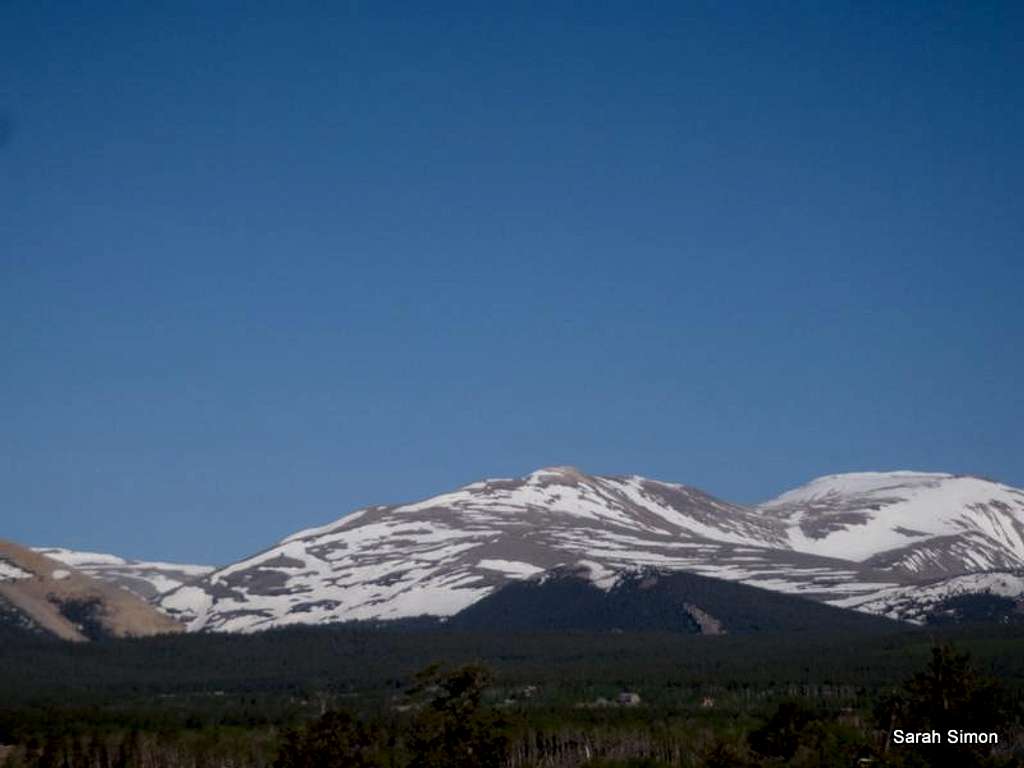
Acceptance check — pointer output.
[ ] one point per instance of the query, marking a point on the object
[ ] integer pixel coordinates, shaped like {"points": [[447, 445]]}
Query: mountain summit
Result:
{"points": [[918, 524]]}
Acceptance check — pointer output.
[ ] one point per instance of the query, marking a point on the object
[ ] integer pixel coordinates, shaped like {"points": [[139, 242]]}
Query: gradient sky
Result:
{"points": [[261, 264]]}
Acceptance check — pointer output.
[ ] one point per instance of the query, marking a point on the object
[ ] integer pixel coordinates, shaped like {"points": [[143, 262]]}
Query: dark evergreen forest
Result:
{"points": [[419, 695]]}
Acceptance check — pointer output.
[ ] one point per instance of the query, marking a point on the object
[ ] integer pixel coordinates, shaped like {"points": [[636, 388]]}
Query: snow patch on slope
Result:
{"points": [[147, 579], [10, 572], [914, 603], [516, 568]]}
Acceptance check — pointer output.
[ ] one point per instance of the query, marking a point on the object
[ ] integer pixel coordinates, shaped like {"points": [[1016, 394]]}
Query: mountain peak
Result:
{"points": [[560, 472], [928, 523]]}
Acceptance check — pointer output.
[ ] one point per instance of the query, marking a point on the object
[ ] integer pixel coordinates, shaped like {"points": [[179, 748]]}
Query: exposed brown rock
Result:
{"points": [[54, 585]]}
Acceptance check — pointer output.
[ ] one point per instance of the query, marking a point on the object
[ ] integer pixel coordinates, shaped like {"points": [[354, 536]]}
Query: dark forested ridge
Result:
{"points": [[542, 698], [653, 601]]}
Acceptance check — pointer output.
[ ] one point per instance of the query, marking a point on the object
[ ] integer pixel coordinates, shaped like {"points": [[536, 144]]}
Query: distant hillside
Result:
{"points": [[146, 579], [41, 595]]}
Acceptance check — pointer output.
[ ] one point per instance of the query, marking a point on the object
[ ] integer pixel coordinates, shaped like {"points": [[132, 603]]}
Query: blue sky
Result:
{"points": [[265, 263]]}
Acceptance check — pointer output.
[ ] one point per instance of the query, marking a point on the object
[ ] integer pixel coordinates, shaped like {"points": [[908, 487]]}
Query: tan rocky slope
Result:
{"points": [[42, 593]]}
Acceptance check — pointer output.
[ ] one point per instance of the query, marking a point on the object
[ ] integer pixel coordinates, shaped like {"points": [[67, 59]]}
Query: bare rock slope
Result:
{"points": [[43, 594]]}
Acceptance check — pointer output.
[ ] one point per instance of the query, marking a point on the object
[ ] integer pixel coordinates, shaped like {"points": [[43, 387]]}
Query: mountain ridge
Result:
{"points": [[147, 579], [896, 544], [439, 555]]}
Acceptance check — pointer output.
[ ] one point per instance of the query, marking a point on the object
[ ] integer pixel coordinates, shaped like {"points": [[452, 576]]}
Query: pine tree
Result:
{"points": [[454, 729], [336, 739], [949, 693]]}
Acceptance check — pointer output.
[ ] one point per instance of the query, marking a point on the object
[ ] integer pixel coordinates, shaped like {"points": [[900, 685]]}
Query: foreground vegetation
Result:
{"points": [[351, 696]]}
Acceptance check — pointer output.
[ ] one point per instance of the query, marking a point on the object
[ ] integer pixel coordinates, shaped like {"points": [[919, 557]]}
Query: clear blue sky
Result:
{"points": [[261, 264]]}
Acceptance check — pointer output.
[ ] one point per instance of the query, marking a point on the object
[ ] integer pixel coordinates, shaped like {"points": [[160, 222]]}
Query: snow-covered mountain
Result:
{"points": [[849, 540], [148, 580], [919, 525], [897, 544]]}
